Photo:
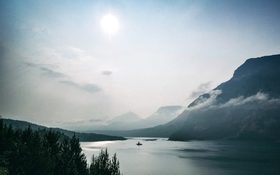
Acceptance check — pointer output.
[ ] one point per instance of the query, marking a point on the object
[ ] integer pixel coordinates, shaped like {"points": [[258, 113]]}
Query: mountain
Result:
{"points": [[82, 136], [163, 115], [127, 117], [130, 120], [245, 107], [125, 121], [255, 75], [253, 118], [83, 125], [145, 127]]}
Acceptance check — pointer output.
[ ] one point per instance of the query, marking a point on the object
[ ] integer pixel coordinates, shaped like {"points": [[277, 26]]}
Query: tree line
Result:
{"points": [[46, 152]]}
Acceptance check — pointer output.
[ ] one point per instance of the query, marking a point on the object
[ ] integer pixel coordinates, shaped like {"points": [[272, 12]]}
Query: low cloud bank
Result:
{"points": [[204, 103]]}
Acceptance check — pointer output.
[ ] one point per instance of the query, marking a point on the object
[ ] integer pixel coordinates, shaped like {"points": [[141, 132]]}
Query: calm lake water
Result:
{"points": [[163, 157]]}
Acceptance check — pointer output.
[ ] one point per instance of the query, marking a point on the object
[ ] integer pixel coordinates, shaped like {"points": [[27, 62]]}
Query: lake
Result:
{"points": [[158, 156]]}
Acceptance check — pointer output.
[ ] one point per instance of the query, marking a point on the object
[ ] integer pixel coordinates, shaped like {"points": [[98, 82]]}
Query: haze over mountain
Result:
{"points": [[255, 75], [163, 115], [245, 107], [131, 121], [122, 121], [127, 121]]}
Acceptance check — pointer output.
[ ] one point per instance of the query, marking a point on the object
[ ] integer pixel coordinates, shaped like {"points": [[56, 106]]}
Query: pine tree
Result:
{"points": [[115, 165], [46, 152], [102, 165], [78, 158]]}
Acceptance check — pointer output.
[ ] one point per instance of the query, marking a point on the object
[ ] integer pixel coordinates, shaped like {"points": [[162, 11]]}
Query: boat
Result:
{"points": [[138, 144]]}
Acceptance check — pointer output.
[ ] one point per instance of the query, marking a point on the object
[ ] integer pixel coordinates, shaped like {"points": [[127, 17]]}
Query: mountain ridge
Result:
{"points": [[20, 124], [256, 85], [254, 70]]}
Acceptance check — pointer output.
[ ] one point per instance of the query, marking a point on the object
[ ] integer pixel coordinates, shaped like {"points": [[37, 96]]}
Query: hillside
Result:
{"points": [[245, 107], [255, 75], [82, 136]]}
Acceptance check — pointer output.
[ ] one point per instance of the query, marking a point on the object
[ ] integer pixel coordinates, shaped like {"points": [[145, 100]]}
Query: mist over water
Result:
{"points": [[163, 157]]}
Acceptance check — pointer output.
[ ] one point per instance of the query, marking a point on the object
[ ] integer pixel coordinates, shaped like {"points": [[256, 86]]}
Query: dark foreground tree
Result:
{"points": [[103, 165], [115, 165], [46, 152]]}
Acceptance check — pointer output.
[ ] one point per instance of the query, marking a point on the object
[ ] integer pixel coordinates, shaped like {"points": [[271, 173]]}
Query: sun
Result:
{"points": [[110, 24]]}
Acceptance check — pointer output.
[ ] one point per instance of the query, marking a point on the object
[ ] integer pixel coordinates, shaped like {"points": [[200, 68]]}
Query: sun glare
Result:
{"points": [[110, 24]]}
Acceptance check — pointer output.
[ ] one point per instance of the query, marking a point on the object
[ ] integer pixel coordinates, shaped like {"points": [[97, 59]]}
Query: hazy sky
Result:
{"points": [[57, 64]]}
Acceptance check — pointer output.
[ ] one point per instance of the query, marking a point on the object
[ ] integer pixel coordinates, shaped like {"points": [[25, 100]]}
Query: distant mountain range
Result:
{"points": [[131, 121], [125, 121], [18, 124], [128, 121], [163, 115], [245, 107]]}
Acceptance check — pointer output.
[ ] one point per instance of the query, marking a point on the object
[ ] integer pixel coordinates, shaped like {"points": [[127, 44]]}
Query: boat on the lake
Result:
{"points": [[138, 144]]}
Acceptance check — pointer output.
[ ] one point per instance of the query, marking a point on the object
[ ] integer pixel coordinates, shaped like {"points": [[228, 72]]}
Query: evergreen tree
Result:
{"points": [[115, 165], [78, 158], [46, 152], [102, 165]]}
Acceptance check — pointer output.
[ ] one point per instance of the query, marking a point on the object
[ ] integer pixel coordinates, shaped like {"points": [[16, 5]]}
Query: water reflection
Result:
{"points": [[160, 156]]}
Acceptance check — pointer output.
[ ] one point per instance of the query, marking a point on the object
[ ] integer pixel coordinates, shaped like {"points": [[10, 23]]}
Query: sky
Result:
{"points": [[58, 65]]}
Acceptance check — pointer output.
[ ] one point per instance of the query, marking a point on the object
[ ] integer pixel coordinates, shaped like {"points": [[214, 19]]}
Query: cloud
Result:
{"points": [[107, 72], [201, 89], [210, 102], [210, 113], [51, 73], [203, 102], [64, 79], [91, 88], [255, 116], [258, 97], [48, 72]]}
